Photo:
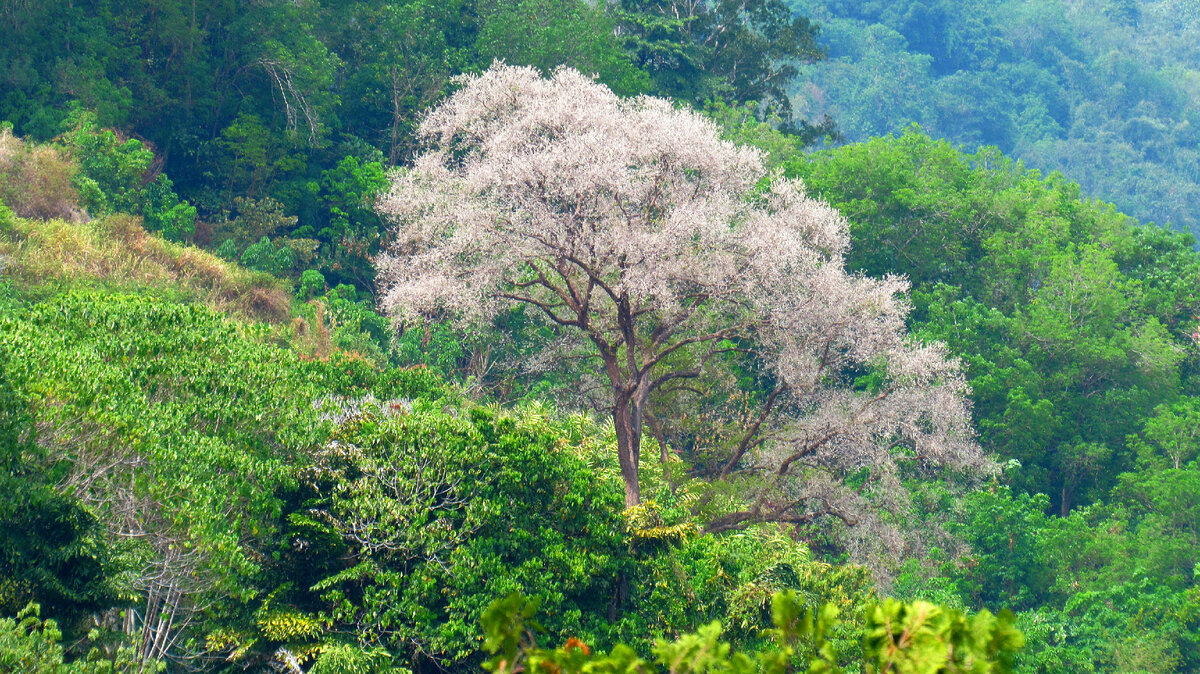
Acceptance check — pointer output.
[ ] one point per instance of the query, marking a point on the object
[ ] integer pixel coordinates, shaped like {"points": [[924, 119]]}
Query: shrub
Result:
{"points": [[7, 217], [266, 257], [312, 284], [119, 176], [491, 504], [36, 181], [31, 646]]}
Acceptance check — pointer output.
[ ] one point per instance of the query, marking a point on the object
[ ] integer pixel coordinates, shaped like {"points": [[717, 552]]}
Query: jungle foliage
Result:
{"points": [[217, 454], [304, 104], [1078, 329], [1104, 92]]}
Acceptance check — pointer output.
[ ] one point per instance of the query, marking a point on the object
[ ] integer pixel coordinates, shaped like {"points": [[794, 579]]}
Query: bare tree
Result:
{"points": [[630, 223]]}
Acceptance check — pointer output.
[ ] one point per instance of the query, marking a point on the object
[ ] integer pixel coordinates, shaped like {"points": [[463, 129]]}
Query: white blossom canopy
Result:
{"points": [[633, 224]]}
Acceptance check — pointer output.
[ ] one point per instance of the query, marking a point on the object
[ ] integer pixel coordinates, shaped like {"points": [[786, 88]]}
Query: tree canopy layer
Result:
{"points": [[1075, 323], [300, 106]]}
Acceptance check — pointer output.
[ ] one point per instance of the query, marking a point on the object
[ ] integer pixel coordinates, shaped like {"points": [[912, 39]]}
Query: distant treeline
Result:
{"points": [[1105, 91]]}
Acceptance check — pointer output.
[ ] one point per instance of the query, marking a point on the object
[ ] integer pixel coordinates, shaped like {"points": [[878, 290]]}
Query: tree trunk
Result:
{"points": [[628, 422]]}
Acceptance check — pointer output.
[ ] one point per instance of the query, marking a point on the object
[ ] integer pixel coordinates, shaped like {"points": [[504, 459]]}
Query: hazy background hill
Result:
{"points": [[1105, 91]]}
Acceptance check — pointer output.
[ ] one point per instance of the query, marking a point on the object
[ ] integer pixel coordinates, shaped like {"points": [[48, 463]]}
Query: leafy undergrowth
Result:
{"points": [[278, 506]]}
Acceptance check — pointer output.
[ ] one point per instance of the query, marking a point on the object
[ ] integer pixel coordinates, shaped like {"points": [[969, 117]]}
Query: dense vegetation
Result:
{"points": [[220, 454], [276, 119], [238, 499], [1078, 331], [1104, 92]]}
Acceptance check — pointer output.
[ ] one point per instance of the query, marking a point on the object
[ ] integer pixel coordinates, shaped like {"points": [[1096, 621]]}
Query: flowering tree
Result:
{"points": [[629, 224]]}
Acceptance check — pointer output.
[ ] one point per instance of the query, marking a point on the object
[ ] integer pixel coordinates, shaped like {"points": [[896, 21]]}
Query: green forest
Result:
{"points": [[1103, 92], [616, 337]]}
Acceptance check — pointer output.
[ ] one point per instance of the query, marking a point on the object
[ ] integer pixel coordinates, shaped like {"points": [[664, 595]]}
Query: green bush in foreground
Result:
{"points": [[31, 646], [916, 638]]}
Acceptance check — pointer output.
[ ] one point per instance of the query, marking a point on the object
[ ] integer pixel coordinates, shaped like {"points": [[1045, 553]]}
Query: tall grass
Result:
{"points": [[36, 180], [118, 254]]}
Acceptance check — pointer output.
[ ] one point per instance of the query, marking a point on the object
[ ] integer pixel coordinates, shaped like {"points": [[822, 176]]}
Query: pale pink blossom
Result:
{"points": [[632, 223]]}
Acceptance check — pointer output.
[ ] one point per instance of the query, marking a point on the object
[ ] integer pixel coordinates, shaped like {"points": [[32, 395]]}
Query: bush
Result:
{"points": [[119, 176], [37, 181], [7, 217], [491, 504], [312, 284], [30, 646], [266, 257]]}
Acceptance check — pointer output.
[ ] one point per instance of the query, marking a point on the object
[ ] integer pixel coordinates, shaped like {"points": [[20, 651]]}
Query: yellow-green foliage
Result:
{"points": [[287, 625], [31, 646], [7, 218], [921, 637], [117, 253], [645, 523], [340, 658]]}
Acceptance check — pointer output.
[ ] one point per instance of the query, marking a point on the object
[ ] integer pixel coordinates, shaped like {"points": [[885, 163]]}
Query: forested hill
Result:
{"points": [[249, 104], [1104, 91], [549, 337]]}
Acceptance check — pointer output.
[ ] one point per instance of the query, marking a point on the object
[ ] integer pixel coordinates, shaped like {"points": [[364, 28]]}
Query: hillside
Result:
{"points": [[547, 336], [195, 476], [1104, 92]]}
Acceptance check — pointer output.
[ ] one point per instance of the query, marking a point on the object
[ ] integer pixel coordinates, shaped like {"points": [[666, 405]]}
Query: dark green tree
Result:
{"points": [[735, 50]]}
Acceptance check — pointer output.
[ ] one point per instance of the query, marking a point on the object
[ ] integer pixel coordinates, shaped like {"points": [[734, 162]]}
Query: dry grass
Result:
{"points": [[55, 245], [35, 180], [117, 252]]}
